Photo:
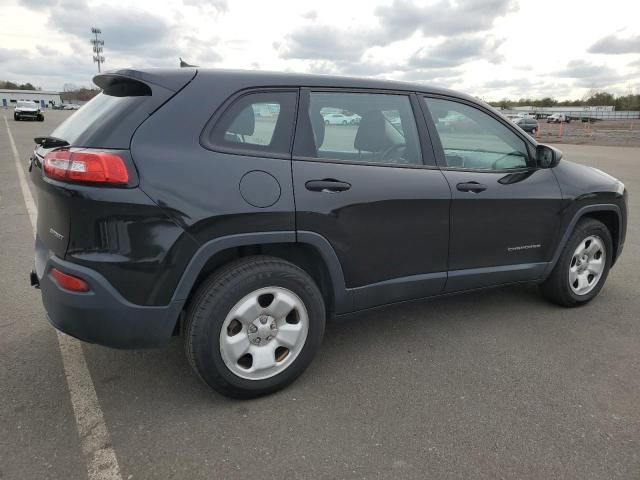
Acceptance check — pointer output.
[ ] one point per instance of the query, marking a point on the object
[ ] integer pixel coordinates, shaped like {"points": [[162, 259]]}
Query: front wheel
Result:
{"points": [[583, 266], [16, 117], [254, 326]]}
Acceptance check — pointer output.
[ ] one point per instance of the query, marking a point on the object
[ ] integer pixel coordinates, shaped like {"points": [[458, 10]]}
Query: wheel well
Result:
{"points": [[302, 255], [612, 222]]}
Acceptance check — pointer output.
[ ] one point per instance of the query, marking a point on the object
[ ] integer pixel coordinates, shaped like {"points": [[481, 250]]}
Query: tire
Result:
{"points": [[326, 122], [558, 286], [344, 122], [259, 285], [41, 118], [16, 117]]}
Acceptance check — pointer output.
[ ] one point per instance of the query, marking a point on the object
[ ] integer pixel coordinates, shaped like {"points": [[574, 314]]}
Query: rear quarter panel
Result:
{"points": [[197, 187]]}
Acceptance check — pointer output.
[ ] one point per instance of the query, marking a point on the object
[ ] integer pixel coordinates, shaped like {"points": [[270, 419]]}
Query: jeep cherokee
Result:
{"points": [[219, 205]]}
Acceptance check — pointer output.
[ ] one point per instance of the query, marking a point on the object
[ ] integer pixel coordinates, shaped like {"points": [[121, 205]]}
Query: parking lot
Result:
{"points": [[603, 132], [493, 384]]}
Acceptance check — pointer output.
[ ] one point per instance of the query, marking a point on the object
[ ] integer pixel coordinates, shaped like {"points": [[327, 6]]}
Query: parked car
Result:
{"points": [[160, 214], [354, 118], [27, 110], [71, 106], [558, 118], [529, 125], [341, 119], [336, 119], [58, 106]]}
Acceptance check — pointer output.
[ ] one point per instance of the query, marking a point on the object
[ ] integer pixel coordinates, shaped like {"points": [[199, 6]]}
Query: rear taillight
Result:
{"points": [[69, 282], [81, 165]]}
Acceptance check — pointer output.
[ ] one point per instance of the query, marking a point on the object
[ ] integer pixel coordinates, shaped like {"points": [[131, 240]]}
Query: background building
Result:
{"points": [[8, 98]]}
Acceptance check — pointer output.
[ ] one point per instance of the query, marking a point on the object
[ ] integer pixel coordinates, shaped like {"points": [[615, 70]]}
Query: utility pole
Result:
{"points": [[98, 47]]}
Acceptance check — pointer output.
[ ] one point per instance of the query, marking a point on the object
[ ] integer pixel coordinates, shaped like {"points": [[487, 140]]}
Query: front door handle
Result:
{"points": [[473, 187], [328, 185]]}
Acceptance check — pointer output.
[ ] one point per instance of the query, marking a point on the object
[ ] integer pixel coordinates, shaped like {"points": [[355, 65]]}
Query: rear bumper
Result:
{"points": [[101, 315]]}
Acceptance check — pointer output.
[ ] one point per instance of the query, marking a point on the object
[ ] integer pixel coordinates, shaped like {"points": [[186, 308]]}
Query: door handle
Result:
{"points": [[328, 185], [473, 187]]}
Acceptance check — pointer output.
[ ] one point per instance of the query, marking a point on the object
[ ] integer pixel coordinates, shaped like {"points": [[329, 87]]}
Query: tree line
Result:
{"points": [[79, 94], [7, 85], [71, 92], [623, 102]]}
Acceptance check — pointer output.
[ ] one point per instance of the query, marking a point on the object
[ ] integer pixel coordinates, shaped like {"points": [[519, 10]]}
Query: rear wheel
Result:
{"points": [[582, 267], [254, 326]]}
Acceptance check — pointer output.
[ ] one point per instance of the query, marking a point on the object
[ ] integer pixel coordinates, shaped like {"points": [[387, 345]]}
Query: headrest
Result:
{"points": [[372, 135], [317, 124], [244, 123]]}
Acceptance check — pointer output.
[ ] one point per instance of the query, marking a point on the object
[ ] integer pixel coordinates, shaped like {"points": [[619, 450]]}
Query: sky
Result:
{"points": [[492, 49]]}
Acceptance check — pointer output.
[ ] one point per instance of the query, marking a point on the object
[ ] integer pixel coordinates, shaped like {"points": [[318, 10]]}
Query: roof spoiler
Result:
{"points": [[171, 79]]}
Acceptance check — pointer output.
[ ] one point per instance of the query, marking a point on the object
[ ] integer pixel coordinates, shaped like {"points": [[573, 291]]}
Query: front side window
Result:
{"points": [[472, 139], [362, 127], [260, 122]]}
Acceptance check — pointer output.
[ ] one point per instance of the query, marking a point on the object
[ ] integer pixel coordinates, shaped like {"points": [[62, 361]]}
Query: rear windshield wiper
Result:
{"points": [[50, 142]]}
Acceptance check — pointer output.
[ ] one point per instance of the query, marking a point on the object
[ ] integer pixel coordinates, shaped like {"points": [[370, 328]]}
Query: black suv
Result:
{"points": [[219, 205]]}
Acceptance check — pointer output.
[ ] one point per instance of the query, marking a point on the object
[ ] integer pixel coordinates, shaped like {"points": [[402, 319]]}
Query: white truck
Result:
{"points": [[559, 118]]}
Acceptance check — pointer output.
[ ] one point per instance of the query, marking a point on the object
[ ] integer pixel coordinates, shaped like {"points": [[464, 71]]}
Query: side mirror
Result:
{"points": [[547, 156]]}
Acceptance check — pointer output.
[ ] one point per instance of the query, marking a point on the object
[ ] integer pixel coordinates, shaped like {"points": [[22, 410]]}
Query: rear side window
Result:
{"points": [[260, 122]]}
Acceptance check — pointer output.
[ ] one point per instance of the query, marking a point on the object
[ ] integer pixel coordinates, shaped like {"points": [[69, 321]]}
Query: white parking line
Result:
{"points": [[102, 463]]}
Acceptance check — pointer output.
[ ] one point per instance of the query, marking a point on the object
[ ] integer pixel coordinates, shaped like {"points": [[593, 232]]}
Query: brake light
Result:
{"points": [[81, 165], [69, 282]]}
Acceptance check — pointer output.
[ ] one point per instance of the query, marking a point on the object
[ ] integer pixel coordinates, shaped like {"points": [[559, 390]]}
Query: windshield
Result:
{"points": [[26, 105]]}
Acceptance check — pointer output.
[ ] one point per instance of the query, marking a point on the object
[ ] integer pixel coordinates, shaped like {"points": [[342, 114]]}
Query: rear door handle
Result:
{"points": [[473, 187], [328, 185]]}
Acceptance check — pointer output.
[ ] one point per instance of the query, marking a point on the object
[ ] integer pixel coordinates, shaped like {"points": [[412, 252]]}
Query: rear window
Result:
{"points": [[99, 112], [111, 118]]}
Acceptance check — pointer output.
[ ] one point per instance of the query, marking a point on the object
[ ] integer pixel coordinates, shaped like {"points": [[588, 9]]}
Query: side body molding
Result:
{"points": [[210, 248], [342, 298]]}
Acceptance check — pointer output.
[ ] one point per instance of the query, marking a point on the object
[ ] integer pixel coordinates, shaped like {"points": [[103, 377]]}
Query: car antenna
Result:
{"points": [[184, 64]]}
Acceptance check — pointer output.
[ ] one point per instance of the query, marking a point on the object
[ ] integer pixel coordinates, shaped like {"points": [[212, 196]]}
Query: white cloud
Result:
{"points": [[492, 48]]}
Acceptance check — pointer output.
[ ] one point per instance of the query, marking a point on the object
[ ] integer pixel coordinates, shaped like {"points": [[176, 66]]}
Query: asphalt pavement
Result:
{"points": [[488, 385]]}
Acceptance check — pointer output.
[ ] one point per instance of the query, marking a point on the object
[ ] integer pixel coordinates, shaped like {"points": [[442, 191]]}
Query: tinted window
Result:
{"points": [[361, 127], [260, 122], [473, 139], [102, 112]]}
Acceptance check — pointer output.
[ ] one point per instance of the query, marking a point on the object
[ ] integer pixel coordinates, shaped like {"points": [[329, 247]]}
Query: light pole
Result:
{"points": [[98, 47]]}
